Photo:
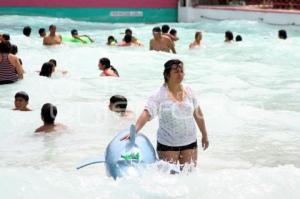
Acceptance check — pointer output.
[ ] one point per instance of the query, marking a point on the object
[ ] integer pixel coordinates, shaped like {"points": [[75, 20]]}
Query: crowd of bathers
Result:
{"points": [[11, 68]]}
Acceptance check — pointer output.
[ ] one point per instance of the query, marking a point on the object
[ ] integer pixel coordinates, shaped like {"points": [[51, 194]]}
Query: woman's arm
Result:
{"points": [[16, 63], [198, 115], [142, 120]]}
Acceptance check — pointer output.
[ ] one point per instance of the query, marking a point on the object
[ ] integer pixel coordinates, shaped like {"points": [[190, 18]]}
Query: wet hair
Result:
{"points": [[156, 29], [128, 38], [22, 95], [111, 39], [5, 47], [74, 32], [197, 34], [238, 38], [41, 31], [53, 61], [173, 32], [168, 67], [13, 49], [27, 31], [52, 26], [106, 62], [282, 34], [128, 31], [20, 60], [47, 69], [229, 35], [119, 102], [165, 28], [48, 113], [6, 37]]}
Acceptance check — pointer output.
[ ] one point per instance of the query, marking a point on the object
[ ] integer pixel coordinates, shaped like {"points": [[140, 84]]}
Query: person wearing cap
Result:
{"points": [[21, 101], [75, 35], [52, 38], [177, 109], [160, 43]]}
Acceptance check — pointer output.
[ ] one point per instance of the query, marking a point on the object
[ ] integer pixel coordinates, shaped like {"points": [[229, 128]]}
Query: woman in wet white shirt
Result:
{"points": [[178, 110]]}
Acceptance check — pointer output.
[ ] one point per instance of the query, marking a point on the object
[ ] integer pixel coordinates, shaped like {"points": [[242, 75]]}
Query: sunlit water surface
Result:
{"points": [[248, 91]]}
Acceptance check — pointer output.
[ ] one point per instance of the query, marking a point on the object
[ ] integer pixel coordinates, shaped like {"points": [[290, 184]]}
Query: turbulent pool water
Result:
{"points": [[248, 91]]}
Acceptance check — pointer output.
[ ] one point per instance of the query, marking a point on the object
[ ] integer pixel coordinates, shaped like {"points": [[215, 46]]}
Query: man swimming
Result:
{"points": [[160, 43], [75, 35], [52, 38]]}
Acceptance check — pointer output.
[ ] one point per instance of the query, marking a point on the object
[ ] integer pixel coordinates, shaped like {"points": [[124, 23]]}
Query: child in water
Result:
{"points": [[21, 101]]}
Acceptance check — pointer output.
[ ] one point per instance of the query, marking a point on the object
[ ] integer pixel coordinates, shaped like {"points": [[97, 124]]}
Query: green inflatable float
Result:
{"points": [[70, 39]]}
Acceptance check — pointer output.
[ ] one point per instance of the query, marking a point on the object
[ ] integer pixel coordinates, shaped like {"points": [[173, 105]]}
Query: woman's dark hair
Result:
{"points": [[229, 35], [47, 69], [168, 67], [238, 38], [53, 61], [23, 95], [119, 102], [20, 60], [5, 47], [27, 31], [13, 49], [197, 34], [111, 39], [128, 38], [106, 63], [282, 34], [48, 113]]}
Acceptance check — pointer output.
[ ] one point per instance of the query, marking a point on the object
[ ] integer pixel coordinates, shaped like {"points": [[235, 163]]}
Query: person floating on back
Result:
{"points": [[118, 104], [48, 115], [21, 101], [52, 38], [282, 34], [107, 69], [75, 35]]}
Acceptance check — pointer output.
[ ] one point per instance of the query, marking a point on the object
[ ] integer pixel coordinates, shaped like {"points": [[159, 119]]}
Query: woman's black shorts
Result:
{"points": [[162, 147]]}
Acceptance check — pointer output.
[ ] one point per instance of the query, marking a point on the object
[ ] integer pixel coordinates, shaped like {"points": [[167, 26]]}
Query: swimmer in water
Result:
{"points": [[75, 35], [111, 41], [118, 104], [21, 101], [228, 37], [48, 115], [52, 38], [107, 69], [198, 40]]}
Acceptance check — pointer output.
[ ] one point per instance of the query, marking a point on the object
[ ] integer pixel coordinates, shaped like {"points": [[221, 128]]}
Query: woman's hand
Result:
{"points": [[205, 143]]}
